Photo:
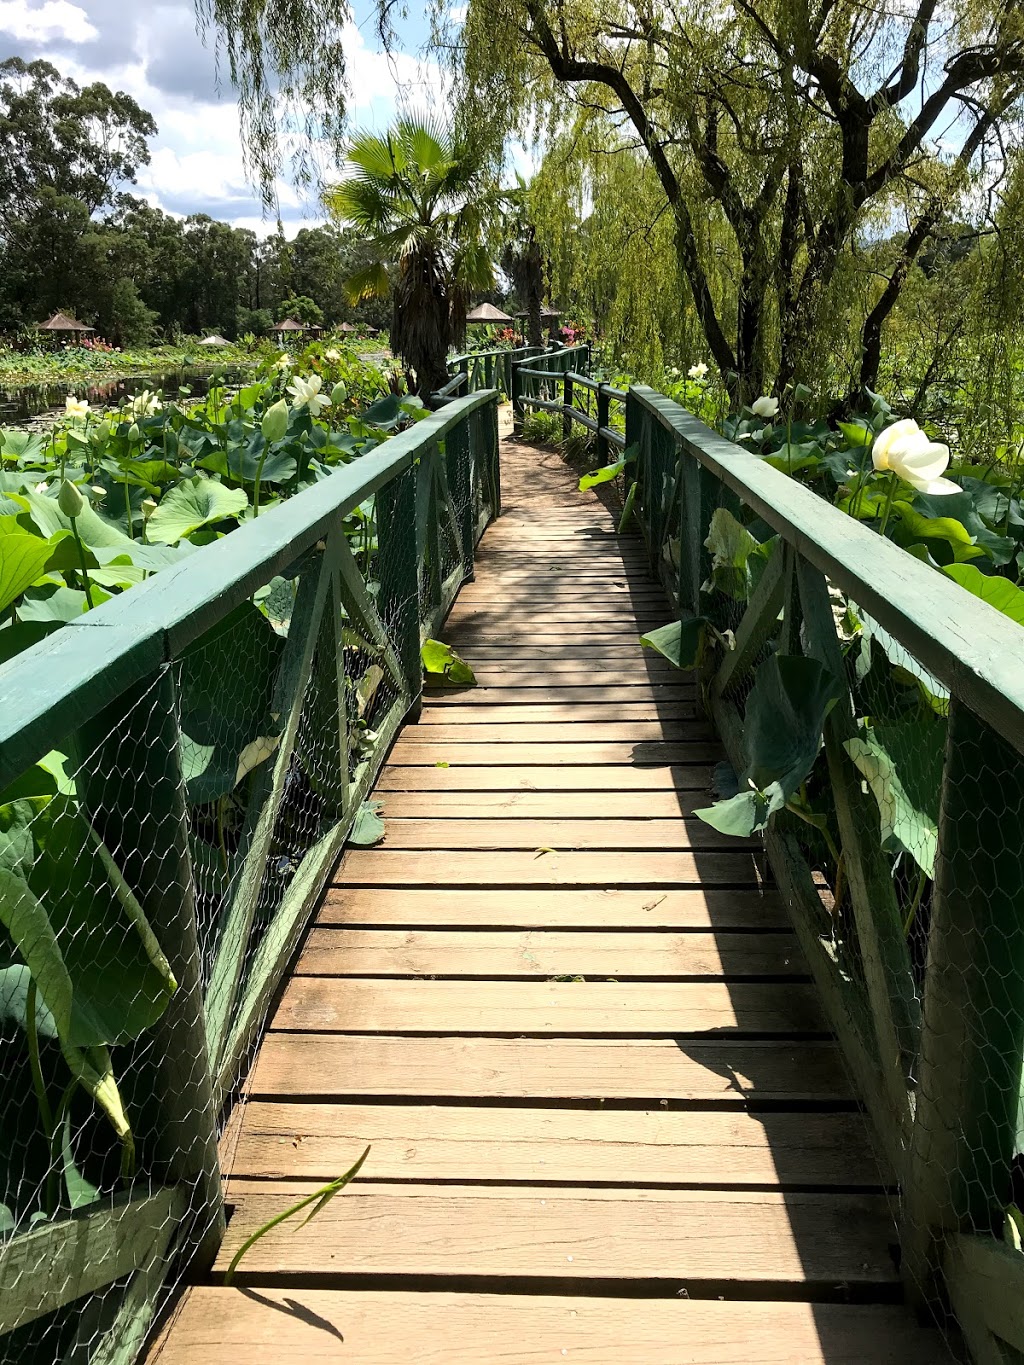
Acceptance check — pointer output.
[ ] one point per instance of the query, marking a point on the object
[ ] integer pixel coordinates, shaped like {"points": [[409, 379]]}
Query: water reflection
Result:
{"points": [[22, 402]]}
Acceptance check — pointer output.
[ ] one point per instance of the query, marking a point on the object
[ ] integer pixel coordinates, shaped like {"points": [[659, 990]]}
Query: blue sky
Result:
{"points": [[153, 51]]}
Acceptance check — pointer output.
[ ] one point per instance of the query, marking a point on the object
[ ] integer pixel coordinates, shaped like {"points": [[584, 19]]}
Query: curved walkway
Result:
{"points": [[606, 1122]]}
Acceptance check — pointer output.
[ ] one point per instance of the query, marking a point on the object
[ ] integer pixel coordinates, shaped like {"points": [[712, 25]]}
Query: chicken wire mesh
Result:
{"points": [[157, 868], [907, 821]]}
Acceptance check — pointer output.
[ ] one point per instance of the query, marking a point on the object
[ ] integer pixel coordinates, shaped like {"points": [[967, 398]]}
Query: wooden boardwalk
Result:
{"points": [[606, 1121]]}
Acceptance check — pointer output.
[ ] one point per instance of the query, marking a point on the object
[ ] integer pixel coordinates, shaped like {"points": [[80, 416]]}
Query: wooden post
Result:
{"points": [[132, 790], [566, 406], [515, 393], [399, 598], [972, 1041], [603, 404]]}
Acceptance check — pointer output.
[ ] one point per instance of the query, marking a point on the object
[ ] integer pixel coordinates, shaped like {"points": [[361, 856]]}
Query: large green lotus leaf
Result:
{"points": [[441, 663], [605, 474], [226, 688], [58, 604], [783, 720], [149, 557], [997, 592], [194, 503], [22, 445], [961, 507], [905, 670], [96, 533], [23, 560], [242, 462], [948, 531], [14, 983], [731, 546], [384, 413], [902, 765], [119, 977], [681, 642]]}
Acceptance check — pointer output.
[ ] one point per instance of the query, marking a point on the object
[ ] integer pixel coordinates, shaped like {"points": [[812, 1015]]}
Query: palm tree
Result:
{"points": [[420, 197]]}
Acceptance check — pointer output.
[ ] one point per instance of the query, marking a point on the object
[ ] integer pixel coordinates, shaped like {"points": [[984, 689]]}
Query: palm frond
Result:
{"points": [[373, 282]]}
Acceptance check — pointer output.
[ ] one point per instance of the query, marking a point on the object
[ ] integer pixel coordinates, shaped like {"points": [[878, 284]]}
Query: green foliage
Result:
{"points": [[419, 196], [443, 666], [681, 642], [782, 726]]}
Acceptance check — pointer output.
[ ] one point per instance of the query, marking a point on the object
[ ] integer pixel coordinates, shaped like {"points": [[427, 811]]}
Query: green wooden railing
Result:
{"points": [[935, 1041], [551, 384], [485, 370], [299, 636]]}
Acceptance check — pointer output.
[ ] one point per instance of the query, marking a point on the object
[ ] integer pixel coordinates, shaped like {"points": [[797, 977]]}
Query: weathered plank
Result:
{"points": [[653, 1069], [399, 867], [566, 713], [546, 952], [567, 732], [529, 805], [466, 1143], [608, 753], [511, 777], [556, 691], [298, 1326], [558, 834], [604, 908], [727, 1239], [360, 1005]]}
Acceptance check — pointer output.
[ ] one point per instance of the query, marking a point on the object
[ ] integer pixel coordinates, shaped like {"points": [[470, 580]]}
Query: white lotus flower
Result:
{"points": [[697, 371], [765, 407], [332, 355], [306, 393], [906, 450], [144, 404], [42, 487], [285, 363], [76, 407]]}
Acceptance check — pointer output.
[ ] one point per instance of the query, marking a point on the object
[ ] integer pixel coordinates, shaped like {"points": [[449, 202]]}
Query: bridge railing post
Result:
{"points": [[603, 411]]}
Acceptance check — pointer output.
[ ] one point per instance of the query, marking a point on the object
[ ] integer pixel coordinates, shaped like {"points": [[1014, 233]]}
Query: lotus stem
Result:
{"points": [[888, 502], [908, 923], [81, 555]]}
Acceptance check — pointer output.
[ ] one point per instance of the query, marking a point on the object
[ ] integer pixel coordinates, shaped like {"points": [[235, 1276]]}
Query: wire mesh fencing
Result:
{"points": [[178, 775], [873, 717]]}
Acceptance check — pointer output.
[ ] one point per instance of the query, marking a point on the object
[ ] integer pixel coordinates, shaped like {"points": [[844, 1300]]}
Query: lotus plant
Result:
{"points": [[306, 394]]}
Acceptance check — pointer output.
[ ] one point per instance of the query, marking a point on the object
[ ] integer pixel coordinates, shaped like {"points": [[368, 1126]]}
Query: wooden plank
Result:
{"points": [[398, 867], [299, 1326], [467, 1143], [723, 1238], [540, 953], [528, 805], [57, 1262], [512, 716], [433, 730], [409, 750], [557, 692], [354, 1005], [557, 834], [510, 777], [490, 674], [607, 908], [653, 1069]]}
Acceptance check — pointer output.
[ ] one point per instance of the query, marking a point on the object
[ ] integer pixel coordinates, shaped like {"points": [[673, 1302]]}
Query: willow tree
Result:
{"points": [[797, 125], [419, 196]]}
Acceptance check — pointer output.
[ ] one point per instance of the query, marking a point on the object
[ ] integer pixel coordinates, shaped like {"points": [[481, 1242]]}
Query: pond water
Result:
{"points": [[20, 403]]}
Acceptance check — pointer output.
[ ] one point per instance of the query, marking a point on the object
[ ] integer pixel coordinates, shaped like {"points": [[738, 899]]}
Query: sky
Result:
{"points": [[154, 53]]}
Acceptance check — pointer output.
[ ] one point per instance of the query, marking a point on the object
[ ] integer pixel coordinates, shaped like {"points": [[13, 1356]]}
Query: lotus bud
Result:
{"points": [[338, 394], [70, 500], [275, 422], [134, 434], [97, 491], [149, 506]]}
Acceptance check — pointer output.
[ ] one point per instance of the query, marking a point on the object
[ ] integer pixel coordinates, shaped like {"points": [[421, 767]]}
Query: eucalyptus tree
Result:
{"points": [[789, 129], [421, 197]]}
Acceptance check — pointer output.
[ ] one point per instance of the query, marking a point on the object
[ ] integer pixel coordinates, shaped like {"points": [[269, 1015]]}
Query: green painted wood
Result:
{"points": [[843, 999], [282, 937], [60, 1262], [759, 622], [265, 801], [972, 1041], [398, 568], [972, 648], [603, 418], [166, 1077], [888, 974], [985, 1280]]}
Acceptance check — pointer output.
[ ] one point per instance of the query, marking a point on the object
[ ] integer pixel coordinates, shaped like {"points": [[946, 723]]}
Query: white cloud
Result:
{"points": [[48, 22]]}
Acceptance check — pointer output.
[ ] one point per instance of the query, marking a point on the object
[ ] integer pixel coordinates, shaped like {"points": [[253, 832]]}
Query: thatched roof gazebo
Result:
{"points": [[546, 314], [289, 325], [64, 322], [215, 340], [486, 312], [347, 328]]}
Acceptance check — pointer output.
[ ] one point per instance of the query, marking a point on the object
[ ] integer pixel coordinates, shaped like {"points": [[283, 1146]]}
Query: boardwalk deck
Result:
{"points": [[606, 1121]]}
